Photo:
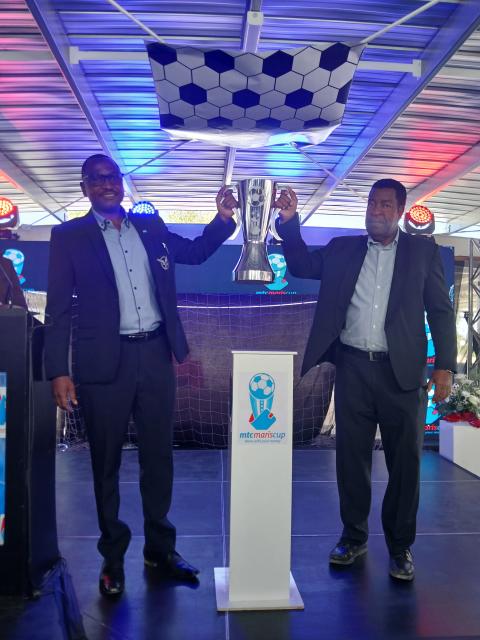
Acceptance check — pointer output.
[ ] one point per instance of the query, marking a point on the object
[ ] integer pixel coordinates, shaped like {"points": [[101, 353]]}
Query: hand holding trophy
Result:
{"points": [[286, 203]]}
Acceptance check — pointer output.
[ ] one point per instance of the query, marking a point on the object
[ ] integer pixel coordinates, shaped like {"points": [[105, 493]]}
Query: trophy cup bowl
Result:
{"points": [[255, 202]]}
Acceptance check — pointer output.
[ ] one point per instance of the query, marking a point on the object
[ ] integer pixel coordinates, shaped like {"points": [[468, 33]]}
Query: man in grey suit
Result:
{"points": [[370, 321]]}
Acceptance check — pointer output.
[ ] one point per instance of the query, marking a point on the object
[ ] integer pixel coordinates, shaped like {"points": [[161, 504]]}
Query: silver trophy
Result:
{"points": [[255, 201]]}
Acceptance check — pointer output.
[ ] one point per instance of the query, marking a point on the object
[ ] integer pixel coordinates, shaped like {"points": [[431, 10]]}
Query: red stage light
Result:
{"points": [[419, 220], [8, 217], [420, 214], [6, 207]]}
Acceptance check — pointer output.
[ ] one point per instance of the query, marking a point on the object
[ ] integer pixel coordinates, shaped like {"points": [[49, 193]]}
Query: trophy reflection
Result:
{"points": [[255, 201]]}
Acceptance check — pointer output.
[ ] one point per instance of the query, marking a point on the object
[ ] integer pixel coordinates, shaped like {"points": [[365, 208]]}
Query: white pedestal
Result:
{"points": [[261, 486], [460, 443]]}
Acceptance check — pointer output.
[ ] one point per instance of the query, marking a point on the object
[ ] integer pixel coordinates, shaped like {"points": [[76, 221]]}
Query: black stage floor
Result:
{"points": [[349, 604]]}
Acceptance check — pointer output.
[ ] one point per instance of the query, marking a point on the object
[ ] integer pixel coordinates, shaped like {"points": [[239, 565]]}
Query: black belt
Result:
{"points": [[373, 356], [143, 336]]}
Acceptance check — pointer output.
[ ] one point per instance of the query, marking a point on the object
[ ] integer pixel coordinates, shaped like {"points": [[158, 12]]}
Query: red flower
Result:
{"points": [[464, 416]]}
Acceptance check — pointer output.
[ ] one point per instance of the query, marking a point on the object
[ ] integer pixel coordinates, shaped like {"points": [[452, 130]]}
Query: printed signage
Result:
{"points": [[262, 425]]}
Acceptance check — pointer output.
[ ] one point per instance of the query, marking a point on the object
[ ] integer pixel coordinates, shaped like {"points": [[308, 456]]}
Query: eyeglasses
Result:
{"points": [[98, 179]]}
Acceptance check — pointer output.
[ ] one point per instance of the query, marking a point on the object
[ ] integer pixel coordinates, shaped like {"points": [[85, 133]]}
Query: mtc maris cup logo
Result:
{"points": [[262, 391], [279, 267]]}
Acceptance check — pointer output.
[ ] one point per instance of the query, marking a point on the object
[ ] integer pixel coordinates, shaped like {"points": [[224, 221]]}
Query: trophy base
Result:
{"points": [[253, 265], [248, 276]]}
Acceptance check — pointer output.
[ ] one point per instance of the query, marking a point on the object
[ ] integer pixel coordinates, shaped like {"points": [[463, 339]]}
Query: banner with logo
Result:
{"points": [[249, 100]]}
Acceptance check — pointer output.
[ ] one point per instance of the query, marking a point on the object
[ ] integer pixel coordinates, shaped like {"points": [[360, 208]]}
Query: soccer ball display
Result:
{"points": [[233, 92], [16, 256], [278, 264], [262, 386]]}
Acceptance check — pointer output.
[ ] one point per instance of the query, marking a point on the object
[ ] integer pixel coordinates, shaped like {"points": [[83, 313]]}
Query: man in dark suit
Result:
{"points": [[369, 321], [121, 270], [10, 289]]}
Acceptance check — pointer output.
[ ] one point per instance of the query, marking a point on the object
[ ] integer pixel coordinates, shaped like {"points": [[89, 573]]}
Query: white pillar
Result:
{"points": [[261, 485]]}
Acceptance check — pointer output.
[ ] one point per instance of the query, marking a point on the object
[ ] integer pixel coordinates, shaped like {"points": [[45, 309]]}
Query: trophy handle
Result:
{"points": [[272, 227], [238, 222], [236, 210], [278, 186]]}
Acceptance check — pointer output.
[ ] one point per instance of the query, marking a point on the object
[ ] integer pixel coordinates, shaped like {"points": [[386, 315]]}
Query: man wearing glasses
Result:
{"points": [[121, 270]]}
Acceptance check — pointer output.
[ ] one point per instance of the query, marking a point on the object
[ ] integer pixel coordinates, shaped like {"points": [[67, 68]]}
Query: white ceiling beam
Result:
{"points": [[76, 55], [252, 29], [463, 21], [229, 163], [21, 181], [462, 73], [32, 55], [441, 180], [52, 30]]}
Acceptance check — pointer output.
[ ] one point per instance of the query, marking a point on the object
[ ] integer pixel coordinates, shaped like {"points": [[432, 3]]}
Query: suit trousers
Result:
{"points": [[366, 395], [145, 388]]}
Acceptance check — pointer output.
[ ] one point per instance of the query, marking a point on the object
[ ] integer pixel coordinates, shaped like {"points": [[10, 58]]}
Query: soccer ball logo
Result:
{"points": [[256, 196], [279, 267], [18, 259], [262, 390], [262, 386]]}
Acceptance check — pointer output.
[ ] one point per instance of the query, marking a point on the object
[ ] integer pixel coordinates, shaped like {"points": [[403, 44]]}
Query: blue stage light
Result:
{"points": [[143, 208]]}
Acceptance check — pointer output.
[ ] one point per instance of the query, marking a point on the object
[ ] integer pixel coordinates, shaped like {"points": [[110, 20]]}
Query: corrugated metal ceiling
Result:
{"points": [[422, 130]]}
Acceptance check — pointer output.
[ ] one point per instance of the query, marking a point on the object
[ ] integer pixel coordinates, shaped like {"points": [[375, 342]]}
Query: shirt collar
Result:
{"points": [[105, 224], [394, 242]]}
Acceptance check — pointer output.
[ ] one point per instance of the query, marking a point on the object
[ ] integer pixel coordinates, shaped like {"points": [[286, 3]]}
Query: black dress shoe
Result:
{"points": [[171, 565], [346, 553], [112, 580], [401, 565]]}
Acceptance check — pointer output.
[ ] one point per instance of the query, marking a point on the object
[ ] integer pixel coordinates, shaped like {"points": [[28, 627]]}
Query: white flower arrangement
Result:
{"points": [[463, 403]]}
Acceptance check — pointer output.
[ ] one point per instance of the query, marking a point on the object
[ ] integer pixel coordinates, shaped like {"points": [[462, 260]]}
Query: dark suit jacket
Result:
{"points": [[10, 288], [80, 264], [418, 285]]}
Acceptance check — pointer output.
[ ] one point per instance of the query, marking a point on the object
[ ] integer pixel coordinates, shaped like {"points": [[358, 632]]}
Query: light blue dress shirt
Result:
{"points": [[365, 319], [139, 309]]}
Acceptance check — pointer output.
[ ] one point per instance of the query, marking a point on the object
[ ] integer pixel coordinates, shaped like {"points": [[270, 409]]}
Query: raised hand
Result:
{"points": [[287, 203], [226, 203]]}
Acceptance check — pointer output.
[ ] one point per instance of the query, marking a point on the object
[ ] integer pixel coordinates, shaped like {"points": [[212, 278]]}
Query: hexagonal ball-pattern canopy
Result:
{"points": [[253, 99]]}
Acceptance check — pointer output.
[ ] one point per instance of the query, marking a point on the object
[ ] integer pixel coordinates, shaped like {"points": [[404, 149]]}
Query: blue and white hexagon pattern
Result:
{"points": [[253, 99]]}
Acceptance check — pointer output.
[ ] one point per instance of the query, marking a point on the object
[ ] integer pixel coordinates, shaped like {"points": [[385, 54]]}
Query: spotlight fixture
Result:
{"points": [[143, 208], [8, 217], [419, 220]]}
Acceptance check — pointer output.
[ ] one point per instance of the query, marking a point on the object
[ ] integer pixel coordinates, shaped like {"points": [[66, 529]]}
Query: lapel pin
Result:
{"points": [[163, 260]]}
